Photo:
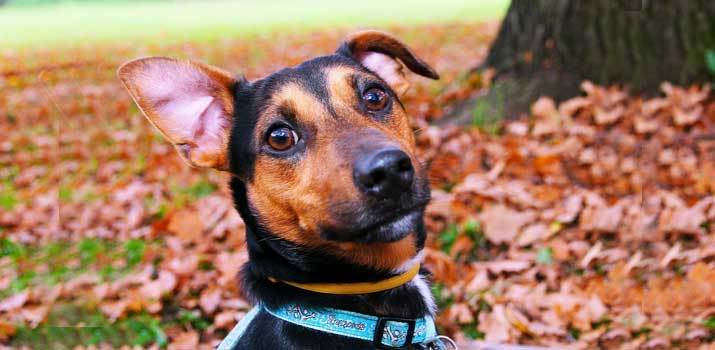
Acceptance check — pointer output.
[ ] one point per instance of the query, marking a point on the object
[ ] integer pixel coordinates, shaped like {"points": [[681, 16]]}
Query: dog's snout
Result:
{"points": [[385, 173]]}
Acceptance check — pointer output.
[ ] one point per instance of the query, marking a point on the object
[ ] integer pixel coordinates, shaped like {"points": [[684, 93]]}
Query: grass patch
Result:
{"points": [[70, 325], [710, 323], [11, 249], [489, 111], [442, 297], [471, 332], [448, 237], [134, 252], [193, 319], [172, 21], [8, 199], [199, 189], [710, 61], [545, 256], [189, 194], [89, 250], [61, 261], [65, 194], [471, 229]]}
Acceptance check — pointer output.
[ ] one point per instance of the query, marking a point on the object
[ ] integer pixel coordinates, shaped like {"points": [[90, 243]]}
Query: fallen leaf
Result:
{"points": [[14, 302], [479, 282], [500, 266], [35, 314], [533, 233], [495, 325], [210, 300], [155, 289], [184, 341], [501, 224], [187, 225], [7, 330], [114, 310], [591, 254], [225, 320], [460, 313]]}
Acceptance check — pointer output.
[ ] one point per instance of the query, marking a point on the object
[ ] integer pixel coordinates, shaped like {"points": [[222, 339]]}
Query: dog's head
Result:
{"points": [[325, 149]]}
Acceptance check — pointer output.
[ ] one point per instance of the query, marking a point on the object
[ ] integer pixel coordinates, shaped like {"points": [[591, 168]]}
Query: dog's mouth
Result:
{"points": [[392, 229], [385, 229]]}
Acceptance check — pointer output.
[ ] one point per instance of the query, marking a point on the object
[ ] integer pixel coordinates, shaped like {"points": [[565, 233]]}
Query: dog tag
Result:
{"points": [[442, 343]]}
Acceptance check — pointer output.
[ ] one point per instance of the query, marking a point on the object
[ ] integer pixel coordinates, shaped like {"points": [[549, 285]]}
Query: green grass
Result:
{"points": [[187, 194], [69, 326], [471, 332], [61, 261], [545, 256], [710, 61], [489, 111], [8, 199], [473, 230], [448, 237], [72, 23], [442, 295], [710, 323]]}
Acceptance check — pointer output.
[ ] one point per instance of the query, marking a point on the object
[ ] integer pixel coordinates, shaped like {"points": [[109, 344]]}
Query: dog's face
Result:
{"points": [[325, 148]]}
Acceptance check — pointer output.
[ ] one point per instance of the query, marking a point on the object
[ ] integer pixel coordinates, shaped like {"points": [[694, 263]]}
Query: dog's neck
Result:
{"points": [[272, 257]]}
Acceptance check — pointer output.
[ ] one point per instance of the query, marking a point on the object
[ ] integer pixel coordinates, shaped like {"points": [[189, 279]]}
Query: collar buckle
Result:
{"points": [[387, 334]]}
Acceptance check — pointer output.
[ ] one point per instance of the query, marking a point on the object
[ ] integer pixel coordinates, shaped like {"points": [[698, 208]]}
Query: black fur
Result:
{"points": [[271, 256]]}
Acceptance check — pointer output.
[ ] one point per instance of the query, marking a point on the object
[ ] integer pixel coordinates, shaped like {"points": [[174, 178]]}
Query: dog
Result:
{"points": [[326, 178]]}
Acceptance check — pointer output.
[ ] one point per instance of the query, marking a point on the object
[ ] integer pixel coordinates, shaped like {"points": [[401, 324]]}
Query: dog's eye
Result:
{"points": [[282, 138], [375, 99]]}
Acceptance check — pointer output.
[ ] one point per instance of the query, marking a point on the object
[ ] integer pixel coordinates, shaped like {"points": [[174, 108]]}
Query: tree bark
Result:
{"points": [[547, 47]]}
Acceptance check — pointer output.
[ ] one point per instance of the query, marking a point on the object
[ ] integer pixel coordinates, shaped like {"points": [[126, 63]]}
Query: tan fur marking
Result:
{"points": [[384, 256], [296, 194], [343, 99], [295, 198]]}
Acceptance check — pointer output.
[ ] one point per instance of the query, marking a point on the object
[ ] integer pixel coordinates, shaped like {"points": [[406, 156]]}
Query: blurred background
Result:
{"points": [[572, 148]]}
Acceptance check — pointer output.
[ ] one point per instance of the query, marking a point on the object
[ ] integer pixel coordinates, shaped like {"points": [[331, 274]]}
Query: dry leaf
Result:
{"points": [[495, 325], [210, 300], [502, 224], [225, 320], [164, 284], [533, 233], [187, 225], [500, 266], [184, 341], [14, 302]]}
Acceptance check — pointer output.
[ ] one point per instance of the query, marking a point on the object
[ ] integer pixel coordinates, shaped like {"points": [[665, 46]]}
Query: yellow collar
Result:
{"points": [[357, 287]]}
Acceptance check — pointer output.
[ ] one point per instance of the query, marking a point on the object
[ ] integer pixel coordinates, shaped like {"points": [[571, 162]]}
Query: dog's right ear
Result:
{"points": [[190, 103]]}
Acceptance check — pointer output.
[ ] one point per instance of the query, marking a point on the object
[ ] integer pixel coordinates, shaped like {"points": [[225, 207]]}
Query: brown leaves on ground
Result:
{"points": [[595, 222], [502, 224]]}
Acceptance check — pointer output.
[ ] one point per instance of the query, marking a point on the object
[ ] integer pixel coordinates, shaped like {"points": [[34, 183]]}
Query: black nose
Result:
{"points": [[385, 173]]}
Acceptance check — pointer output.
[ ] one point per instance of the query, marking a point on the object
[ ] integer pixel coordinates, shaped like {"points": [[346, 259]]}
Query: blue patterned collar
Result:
{"points": [[383, 332]]}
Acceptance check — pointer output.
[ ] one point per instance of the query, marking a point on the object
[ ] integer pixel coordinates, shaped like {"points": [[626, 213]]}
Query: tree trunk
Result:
{"points": [[547, 47]]}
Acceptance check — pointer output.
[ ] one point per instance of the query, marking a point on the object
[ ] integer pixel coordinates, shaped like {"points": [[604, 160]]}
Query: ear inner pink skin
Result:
{"points": [[179, 98], [387, 68]]}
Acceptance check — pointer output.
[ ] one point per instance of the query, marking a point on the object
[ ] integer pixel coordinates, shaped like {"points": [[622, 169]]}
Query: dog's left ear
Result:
{"points": [[379, 52], [190, 103]]}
